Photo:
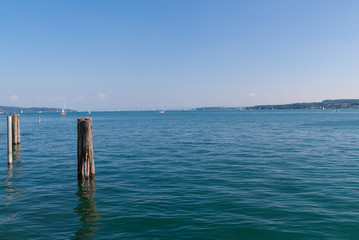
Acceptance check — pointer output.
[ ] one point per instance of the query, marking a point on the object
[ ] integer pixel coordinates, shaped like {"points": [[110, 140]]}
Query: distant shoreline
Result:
{"points": [[326, 104], [7, 109]]}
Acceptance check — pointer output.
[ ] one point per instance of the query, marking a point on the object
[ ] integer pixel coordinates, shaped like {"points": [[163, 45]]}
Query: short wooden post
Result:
{"points": [[85, 156], [9, 139], [15, 128]]}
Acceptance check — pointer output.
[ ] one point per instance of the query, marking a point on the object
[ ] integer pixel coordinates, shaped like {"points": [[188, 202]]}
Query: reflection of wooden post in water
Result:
{"points": [[86, 209], [85, 158], [9, 139], [10, 186], [12, 192], [16, 152]]}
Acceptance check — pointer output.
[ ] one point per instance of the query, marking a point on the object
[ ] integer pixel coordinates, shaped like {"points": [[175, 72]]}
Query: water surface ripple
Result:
{"points": [[185, 175]]}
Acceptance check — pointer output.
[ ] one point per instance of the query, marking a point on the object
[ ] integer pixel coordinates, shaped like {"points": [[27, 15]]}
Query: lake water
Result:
{"points": [[185, 175]]}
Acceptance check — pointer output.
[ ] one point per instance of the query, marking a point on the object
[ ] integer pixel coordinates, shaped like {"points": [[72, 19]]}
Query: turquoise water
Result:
{"points": [[185, 175]]}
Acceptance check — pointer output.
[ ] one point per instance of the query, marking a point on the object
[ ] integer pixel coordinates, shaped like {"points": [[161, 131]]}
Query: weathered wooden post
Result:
{"points": [[15, 129], [38, 119], [14, 126], [18, 128], [85, 156], [9, 139]]}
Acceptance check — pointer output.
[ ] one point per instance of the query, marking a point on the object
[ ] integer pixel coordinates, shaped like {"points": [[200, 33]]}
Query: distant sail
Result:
{"points": [[63, 113]]}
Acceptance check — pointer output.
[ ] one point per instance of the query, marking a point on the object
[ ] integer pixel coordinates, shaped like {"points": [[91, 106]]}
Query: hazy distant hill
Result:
{"points": [[6, 109], [218, 108], [331, 104]]}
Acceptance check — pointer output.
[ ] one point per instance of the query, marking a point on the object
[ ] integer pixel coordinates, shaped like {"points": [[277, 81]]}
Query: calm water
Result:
{"points": [[186, 175]]}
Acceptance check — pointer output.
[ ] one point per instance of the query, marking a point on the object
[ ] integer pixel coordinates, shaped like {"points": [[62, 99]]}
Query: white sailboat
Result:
{"points": [[63, 113]]}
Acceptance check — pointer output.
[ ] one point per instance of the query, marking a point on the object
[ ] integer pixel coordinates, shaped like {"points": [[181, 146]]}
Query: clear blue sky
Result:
{"points": [[143, 54]]}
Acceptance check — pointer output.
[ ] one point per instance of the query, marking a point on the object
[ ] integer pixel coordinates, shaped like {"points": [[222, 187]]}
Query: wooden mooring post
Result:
{"points": [[15, 129], [38, 118], [85, 156], [9, 139]]}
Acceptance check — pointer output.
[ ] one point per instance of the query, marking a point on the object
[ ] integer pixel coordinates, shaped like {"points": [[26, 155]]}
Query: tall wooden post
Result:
{"points": [[15, 129], [9, 139], [18, 128], [38, 119], [85, 156]]}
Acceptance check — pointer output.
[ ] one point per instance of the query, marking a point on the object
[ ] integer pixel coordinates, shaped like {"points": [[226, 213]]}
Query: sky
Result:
{"points": [[144, 54]]}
